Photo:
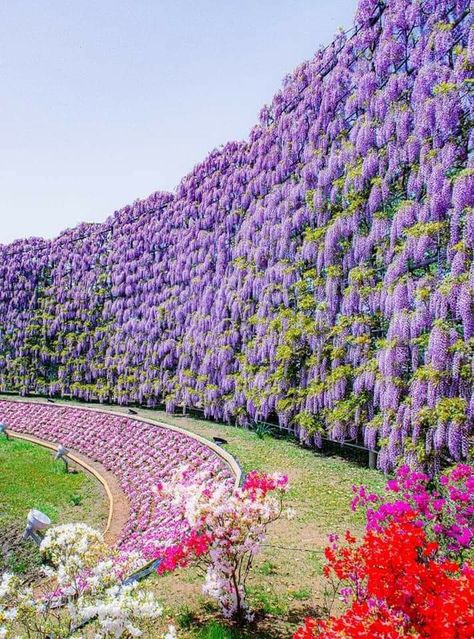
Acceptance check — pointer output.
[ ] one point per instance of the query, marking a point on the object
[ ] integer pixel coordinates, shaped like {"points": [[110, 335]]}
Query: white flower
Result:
{"points": [[47, 571], [10, 614], [171, 634], [5, 584]]}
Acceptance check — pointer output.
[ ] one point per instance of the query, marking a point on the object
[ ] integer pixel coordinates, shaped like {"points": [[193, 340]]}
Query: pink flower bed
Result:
{"points": [[142, 456]]}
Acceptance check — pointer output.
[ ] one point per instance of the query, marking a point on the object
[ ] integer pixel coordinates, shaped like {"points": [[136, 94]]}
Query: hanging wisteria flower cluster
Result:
{"points": [[83, 585], [319, 274], [140, 455]]}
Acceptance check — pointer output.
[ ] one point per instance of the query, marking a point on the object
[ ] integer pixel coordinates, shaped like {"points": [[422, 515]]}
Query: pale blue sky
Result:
{"points": [[106, 101]]}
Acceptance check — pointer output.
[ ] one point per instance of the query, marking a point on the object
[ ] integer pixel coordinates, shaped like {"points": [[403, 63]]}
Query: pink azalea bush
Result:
{"points": [[140, 455], [227, 532], [444, 507]]}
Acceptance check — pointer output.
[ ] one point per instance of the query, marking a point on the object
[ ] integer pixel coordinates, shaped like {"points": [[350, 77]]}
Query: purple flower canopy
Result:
{"points": [[319, 274]]}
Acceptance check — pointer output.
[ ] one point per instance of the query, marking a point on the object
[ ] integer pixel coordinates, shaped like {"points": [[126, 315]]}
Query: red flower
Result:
{"points": [[178, 556], [401, 587]]}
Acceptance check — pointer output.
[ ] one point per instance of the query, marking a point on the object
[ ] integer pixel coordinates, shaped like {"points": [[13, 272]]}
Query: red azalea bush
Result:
{"points": [[409, 576], [365, 620]]}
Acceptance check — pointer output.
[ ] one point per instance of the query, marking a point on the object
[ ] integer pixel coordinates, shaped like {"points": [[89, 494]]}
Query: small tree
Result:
{"points": [[227, 532]]}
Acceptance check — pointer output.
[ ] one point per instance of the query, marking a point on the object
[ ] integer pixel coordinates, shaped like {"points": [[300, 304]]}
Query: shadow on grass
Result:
{"points": [[263, 626], [17, 555]]}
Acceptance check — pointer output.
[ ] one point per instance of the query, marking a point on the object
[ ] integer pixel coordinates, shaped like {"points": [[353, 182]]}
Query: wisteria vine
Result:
{"points": [[319, 274]]}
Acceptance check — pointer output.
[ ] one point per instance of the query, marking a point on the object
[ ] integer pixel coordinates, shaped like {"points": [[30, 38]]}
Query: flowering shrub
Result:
{"points": [[227, 533], [444, 507], [140, 455], [73, 547], [365, 620], [83, 584], [408, 577]]}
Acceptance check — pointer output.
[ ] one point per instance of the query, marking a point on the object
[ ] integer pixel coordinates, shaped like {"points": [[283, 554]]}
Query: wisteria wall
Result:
{"points": [[319, 274]]}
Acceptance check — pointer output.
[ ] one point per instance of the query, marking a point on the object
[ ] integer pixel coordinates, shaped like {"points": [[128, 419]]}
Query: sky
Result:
{"points": [[105, 102]]}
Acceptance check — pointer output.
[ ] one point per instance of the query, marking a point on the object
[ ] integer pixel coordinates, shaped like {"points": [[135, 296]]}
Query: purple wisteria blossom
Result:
{"points": [[318, 275]]}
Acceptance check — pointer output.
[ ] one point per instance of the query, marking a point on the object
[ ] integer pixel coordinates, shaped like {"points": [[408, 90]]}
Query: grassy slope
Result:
{"points": [[30, 478]]}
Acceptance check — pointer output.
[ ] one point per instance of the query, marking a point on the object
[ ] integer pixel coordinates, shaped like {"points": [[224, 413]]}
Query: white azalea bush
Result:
{"points": [[227, 531], [73, 547], [82, 592]]}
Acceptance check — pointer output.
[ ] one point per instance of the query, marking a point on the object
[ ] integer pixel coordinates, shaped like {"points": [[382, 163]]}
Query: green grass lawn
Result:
{"points": [[31, 478]]}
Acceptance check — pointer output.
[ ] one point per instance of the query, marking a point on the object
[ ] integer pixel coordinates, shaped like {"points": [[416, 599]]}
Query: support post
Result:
{"points": [[372, 459]]}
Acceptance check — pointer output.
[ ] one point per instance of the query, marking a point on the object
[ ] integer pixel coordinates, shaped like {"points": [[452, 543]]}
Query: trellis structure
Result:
{"points": [[319, 275]]}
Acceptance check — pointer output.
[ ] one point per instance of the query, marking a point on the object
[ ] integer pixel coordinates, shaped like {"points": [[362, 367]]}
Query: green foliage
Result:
{"points": [[334, 271], [360, 274], [420, 229], [447, 410], [315, 234], [444, 88], [261, 429], [309, 198], [311, 423], [302, 594], [345, 371], [185, 618], [266, 600], [215, 630], [451, 409], [343, 411], [268, 568], [429, 374]]}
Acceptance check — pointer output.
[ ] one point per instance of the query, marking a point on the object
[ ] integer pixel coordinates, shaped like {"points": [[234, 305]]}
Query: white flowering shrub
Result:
{"points": [[73, 547], [226, 533], [82, 586]]}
